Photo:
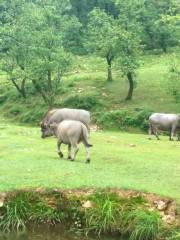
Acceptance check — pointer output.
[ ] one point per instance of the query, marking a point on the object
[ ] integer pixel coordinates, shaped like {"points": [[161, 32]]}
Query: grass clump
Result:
{"points": [[141, 224], [15, 213], [25, 207], [129, 217], [103, 217], [82, 102]]}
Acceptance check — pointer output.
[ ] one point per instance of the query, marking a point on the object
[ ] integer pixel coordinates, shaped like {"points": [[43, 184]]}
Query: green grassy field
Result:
{"points": [[119, 159]]}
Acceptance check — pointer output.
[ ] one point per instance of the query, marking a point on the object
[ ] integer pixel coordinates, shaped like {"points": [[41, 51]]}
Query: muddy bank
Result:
{"points": [[124, 213]]}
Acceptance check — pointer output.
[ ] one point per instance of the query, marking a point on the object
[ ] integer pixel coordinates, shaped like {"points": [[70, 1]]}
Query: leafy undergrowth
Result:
{"points": [[99, 212]]}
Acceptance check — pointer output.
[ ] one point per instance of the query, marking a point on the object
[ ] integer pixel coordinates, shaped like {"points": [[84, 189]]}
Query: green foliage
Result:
{"points": [[81, 8], [82, 102], [25, 207], [15, 212], [174, 78], [103, 218], [35, 48], [142, 224], [122, 119], [127, 216], [101, 37]]}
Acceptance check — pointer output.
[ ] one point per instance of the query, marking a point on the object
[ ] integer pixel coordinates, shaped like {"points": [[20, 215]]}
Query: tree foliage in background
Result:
{"points": [[111, 39], [36, 45], [101, 37], [158, 31], [82, 8], [39, 38]]}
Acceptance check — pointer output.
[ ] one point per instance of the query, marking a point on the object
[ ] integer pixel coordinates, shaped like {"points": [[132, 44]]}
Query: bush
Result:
{"points": [[122, 119], [82, 102], [16, 109]]}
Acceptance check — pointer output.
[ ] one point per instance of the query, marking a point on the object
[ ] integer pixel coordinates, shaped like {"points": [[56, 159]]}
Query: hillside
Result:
{"points": [[88, 78]]}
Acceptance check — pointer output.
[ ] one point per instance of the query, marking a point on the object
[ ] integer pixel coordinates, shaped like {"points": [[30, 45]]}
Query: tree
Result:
{"points": [[128, 40], [128, 47], [157, 32], [40, 45], [82, 8], [14, 47], [101, 37]]}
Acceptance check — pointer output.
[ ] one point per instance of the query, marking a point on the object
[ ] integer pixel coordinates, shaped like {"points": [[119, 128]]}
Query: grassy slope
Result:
{"points": [[28, 161], [150, 91], [89, 77]]}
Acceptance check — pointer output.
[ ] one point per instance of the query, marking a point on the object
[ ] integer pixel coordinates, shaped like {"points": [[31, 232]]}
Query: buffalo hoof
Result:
{"points": [[88, 161], [60, 154], [69, 158], [72, 160]]}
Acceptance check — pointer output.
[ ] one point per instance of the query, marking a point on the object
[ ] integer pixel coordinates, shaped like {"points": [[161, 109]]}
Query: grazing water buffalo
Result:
{"points": [[58, 115], [71, 132], [164, 122]]}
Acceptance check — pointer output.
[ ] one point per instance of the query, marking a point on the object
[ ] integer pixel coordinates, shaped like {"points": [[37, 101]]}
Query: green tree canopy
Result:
{"points": [[38, 45]]}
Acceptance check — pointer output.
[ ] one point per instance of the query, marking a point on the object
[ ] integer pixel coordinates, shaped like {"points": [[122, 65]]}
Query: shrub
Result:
{"points": [[16, 109], [82, 102], [122, 119], [3, 98]]}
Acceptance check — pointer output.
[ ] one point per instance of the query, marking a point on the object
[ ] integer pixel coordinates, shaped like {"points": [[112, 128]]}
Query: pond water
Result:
{"points": [[49, 233]]}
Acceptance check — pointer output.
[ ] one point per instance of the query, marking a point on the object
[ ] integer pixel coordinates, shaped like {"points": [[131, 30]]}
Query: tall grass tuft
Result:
{"points": [[16, 212], [141, 224], [103, 217]]}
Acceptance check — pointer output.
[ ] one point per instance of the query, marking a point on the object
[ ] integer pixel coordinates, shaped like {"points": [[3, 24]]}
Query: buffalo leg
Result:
{"points": [[155, 133], [59, 149], [87, 154], [74, 150], [150, 132], [69, 151], [173, 131]]}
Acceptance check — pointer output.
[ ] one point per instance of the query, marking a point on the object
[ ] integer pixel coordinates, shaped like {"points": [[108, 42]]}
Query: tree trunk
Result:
{"points": [[21, 89], [109, 62], [39, 90], [164, 48], [49, 81], [131, 86]]}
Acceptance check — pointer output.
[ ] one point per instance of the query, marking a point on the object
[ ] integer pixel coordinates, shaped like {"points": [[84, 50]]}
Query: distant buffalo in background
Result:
{"points": [[164, 122], [58, 115]]}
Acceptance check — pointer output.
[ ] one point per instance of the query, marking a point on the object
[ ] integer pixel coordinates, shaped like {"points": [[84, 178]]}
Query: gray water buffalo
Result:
{"points": [[164, 122], [71, 133], [58, 115]]}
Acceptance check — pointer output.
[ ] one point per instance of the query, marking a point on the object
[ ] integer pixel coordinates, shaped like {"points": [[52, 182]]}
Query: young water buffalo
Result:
{"points": [[164, 122], [71, 132], [58, 115]]}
